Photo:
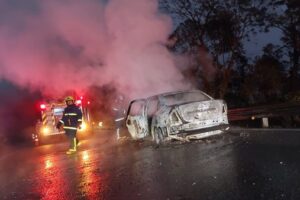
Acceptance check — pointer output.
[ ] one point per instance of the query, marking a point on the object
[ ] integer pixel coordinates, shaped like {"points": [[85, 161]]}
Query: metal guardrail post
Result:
{"points": [[265, 122]]}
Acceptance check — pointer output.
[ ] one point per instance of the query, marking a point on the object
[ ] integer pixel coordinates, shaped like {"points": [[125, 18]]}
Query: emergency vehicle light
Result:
{"points": [[78, 102], [45, 130], [43, 106]]}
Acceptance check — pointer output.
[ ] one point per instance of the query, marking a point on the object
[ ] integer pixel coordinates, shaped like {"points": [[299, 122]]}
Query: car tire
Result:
{"points": [[165, 132], [158, 136]]}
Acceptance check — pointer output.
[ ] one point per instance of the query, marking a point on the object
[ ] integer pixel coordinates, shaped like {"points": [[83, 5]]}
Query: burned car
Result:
{"points": [[182, 115]]}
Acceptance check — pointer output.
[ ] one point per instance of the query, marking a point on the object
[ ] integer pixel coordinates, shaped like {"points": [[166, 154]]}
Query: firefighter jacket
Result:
{"points": [[72, 118]]}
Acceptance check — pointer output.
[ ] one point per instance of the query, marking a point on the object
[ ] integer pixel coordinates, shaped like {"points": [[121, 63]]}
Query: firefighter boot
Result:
{"points": [[74, 149], [71, 151]]}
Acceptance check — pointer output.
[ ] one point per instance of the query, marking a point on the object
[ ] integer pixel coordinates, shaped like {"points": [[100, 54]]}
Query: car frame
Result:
{"points": [[161, 118]]}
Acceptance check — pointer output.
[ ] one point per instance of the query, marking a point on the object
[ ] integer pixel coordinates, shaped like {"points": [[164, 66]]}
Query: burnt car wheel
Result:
{"points": [[158, 136], [165, 132]]}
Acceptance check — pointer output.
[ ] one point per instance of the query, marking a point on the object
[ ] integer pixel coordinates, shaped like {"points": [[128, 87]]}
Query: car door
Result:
{"points": [[136, 120]]}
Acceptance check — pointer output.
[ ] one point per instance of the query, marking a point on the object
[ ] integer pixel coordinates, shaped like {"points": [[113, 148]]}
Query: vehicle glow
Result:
{"points": [[45, 130], [78, 102], [43, 106], [83, 127]]}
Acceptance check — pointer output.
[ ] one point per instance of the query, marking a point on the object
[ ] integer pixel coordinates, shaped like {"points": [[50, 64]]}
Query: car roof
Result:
{"points": [[183, 91], [170, 93]]}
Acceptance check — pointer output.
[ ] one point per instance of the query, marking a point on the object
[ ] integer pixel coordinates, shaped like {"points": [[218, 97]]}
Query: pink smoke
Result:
{"points": [[66, 45]]}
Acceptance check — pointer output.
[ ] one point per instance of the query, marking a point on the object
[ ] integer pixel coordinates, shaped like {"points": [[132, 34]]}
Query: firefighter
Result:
{"points": [[71, 121], [119, 114]]}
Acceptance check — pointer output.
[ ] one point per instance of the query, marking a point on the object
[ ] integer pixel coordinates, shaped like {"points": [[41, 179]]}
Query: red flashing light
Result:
{"points": [[88, 102], [43, 106]]}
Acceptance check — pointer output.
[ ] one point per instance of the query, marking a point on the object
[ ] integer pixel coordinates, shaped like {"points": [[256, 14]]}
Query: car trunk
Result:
{"points": [[201, 111]]}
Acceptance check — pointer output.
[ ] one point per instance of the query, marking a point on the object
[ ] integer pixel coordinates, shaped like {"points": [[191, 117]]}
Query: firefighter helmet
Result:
{"points": [[69, 98]]}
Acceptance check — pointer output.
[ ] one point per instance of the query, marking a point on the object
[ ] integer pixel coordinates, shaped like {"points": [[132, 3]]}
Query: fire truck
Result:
{"points": [[51, 112]]}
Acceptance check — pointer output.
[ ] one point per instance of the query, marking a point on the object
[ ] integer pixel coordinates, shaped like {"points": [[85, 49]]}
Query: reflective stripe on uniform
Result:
{"points": [[119, 119], [61, 121], [70, 114], [74, 144], [80, 120], [69, 127]]}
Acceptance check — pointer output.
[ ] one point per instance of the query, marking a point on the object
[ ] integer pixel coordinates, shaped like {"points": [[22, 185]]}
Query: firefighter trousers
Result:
{"points": [[71, 134]]}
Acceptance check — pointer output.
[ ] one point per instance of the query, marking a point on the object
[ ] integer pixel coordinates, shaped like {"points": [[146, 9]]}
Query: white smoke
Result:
{"points": [[59, 45]]}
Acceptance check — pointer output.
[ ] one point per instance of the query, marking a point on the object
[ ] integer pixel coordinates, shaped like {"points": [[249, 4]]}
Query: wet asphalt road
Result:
{"points": [[240, 165]]}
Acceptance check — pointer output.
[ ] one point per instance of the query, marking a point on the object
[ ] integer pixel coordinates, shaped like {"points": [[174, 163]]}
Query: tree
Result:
{"points": [[284, 15], [265, 81], [217, 29]]}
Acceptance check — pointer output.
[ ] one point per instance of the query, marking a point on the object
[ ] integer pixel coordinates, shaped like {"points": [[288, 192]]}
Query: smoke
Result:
{"points": [[60, 45], [18, 113]]}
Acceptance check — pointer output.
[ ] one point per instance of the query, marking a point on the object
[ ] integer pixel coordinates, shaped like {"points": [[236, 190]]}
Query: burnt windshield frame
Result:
{"points": [[166, 99]]}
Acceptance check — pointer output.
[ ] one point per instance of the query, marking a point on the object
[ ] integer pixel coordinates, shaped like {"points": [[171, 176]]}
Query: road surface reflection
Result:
{"points": [[91, 184], [70, 177]]}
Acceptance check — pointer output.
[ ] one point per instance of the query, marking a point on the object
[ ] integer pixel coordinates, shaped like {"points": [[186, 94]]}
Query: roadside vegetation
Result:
{"points": [[214, 35]]}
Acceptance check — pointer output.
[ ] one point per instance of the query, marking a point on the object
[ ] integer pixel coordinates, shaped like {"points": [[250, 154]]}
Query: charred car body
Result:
{"points": [[179, 115]]}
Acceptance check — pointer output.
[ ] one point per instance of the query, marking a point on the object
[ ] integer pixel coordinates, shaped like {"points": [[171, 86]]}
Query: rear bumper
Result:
{"points": [[221, 127], [187, 132]]}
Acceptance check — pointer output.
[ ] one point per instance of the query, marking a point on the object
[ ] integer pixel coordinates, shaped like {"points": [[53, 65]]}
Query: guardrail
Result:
{"points": [[264, 112]]}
